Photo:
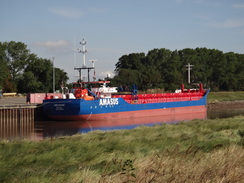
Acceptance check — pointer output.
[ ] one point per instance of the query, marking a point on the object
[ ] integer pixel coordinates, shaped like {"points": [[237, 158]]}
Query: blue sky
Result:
{"points": [[112, 28]]}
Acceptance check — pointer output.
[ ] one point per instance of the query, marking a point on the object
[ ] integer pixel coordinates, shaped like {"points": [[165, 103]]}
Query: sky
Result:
{"points": [[113, 28]]}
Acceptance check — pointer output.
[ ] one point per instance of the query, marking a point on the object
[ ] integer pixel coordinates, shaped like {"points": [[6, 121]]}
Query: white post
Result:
{"points": [[189, 71], [83, 43], [93, 65]]}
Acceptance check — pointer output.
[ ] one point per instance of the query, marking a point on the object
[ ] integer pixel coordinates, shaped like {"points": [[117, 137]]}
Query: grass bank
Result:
{"points": [[196, 151], [214, 97]]}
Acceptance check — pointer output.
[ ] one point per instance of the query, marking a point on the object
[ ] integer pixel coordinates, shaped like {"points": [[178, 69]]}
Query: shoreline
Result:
{"points": [[226, 104]]}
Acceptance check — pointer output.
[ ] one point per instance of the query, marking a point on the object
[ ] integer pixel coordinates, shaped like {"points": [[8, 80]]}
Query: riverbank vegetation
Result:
{"points": [[214, 97], [196, 151], [225, 100]]}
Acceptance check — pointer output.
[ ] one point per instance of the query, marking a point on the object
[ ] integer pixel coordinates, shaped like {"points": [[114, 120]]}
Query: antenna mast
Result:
{"points": [[83, 51]]}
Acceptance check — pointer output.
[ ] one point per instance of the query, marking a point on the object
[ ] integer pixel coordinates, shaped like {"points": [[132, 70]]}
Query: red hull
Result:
{"points": [[140, 117]]}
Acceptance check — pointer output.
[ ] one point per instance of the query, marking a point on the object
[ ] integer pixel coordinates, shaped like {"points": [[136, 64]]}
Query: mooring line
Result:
{"points": [[89, 117], [88, 121]]}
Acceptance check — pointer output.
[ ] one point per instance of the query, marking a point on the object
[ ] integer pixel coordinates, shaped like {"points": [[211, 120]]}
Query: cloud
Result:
{"points": [[194, 1], [71, 12], [60, 47], [106, 74], [229, 23], [97, 10], [178, 1], [66, 12], [109, 50], [238, 6], [53, 44], [204, 17]]}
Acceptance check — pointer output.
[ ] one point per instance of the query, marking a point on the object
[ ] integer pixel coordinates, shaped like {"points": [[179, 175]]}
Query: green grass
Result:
{"points": [[196, 151], [225, 96]]}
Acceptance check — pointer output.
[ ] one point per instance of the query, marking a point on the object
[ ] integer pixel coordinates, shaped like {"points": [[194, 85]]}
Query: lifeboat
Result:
{"points": [[82, 94]]}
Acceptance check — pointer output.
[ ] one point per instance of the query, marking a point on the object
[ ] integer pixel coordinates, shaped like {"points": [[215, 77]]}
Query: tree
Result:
{"points": [[151, 78], [217, 63], [16, 55], [126, 77], [204, 69], [29, 84], [5, 78], [23, 71], [42, 70], [131, 61], [61, 78], [42, 75], [3, 68], [164, 68], [239, 74], [172, 73]]}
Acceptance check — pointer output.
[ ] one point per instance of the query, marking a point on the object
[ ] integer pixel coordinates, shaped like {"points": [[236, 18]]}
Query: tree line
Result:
{"points": [[163, 68], [23, 72]]}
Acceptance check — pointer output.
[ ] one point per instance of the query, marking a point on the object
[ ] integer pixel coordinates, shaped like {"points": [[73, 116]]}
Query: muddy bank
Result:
{"points": [[226, 104]]}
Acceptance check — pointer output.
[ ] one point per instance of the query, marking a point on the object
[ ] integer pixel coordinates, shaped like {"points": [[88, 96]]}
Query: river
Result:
{"points": [[39, 130]]}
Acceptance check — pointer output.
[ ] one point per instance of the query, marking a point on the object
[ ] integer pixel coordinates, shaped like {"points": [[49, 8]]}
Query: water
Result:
{"points": [[48, 129], [224, 113]]}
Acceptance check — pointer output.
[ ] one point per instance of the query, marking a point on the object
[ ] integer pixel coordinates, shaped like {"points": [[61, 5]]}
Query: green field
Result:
{"points": [[225, 96], [196, 151]]}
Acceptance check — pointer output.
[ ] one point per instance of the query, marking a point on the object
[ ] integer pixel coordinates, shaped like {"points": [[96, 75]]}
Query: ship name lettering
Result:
{"points": [[109, 101], [59, 109], [58, 105]]}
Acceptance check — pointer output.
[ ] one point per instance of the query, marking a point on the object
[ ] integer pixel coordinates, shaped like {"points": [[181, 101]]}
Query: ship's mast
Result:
{"points": [[83, 51], [93, 65]]}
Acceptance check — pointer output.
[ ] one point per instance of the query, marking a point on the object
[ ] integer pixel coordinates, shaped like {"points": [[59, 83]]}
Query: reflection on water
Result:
{"points": [[39, 130], [63, 128], [17, 129], [224, 112], [16, 123]]}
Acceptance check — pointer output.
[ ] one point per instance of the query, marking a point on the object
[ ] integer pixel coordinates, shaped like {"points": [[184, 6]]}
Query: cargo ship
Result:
{"points": [[102, 107], [84, 105]]}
